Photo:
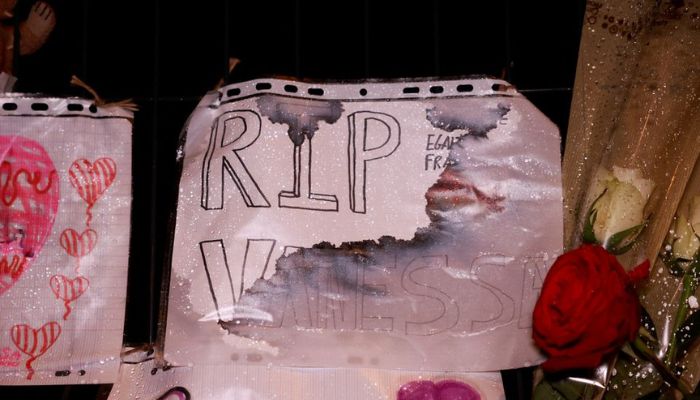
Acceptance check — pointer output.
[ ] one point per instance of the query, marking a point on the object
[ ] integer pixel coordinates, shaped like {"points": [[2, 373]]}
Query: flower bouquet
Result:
{"points": [[609, 331], [588, 308], [663, 363], [601, 340]]}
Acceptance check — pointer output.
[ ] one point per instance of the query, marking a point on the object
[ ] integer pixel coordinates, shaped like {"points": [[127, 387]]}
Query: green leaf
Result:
{"points": [[588, 234], [563, 389], [676, 266], [627, 382], [545, 391], [591, 216], [614, 242]]}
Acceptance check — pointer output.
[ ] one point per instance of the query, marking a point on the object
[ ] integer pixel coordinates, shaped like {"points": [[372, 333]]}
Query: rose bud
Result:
{"points": [[695, 215], [617, 215], [686, 230]]}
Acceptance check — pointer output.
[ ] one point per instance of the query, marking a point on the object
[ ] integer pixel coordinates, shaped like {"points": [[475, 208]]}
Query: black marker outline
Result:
{"points": [[538, 266], [361, 208], [206, 270], [360, 316], [407, 272], [245, 260], [490, 260], [217, 132], [285, 196]]}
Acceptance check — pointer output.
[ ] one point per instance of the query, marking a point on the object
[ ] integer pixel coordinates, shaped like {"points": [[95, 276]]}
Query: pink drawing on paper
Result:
{"points": [[68, 290], [34, 342], [9, 357], [29, 194], [78, 245], [443, 390], [91, 180]]}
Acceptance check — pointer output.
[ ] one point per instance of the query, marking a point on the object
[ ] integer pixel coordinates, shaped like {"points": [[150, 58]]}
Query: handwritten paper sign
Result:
{"points": [[393, 225], [65, 202]]}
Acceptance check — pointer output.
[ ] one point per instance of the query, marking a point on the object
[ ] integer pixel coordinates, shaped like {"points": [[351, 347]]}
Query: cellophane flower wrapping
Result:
{"points": [[633, 141]]}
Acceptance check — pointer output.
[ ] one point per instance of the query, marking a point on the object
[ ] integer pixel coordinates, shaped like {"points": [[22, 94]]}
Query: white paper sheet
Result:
{"points": [[65, 203], [404, 225], [260, 383]]}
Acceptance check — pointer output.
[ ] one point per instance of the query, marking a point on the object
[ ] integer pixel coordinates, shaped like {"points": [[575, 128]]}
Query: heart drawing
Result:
{"points": [[78, 245], [29, 194], [92, 179], [68, 290], [34, 342]]}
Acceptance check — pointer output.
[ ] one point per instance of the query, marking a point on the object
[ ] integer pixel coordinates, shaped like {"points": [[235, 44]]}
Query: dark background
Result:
{"points": [[167, 54]]}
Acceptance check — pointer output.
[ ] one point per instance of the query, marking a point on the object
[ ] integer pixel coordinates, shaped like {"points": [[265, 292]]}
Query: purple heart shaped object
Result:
{"points": [[443, 390]]}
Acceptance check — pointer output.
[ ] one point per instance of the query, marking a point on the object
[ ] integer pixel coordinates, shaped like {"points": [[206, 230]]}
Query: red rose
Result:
{"points": [[587, 309]]}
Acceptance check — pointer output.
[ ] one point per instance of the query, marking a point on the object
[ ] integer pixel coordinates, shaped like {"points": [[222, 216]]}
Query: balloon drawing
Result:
{"points": [[34, 342], [29, 194], [92, 179], [68, 290]]}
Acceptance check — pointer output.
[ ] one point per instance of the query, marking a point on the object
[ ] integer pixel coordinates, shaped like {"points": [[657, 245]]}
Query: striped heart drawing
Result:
{"points": [[34, 342], [92, 179], [68, 290], [78, 244]]}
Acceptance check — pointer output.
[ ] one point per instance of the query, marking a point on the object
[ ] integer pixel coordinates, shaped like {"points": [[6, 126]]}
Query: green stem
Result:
{"points": [[690, 284], [667, 375]]}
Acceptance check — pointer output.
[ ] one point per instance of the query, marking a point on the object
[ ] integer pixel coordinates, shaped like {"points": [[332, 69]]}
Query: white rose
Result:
{"points": [[686, 231], [617, 216], [695, 215]]}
